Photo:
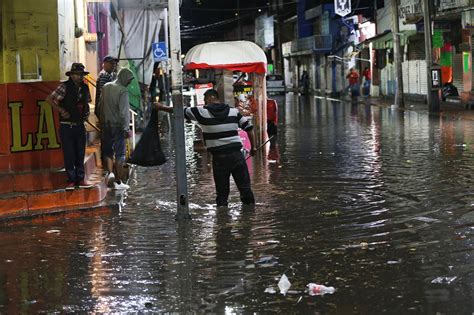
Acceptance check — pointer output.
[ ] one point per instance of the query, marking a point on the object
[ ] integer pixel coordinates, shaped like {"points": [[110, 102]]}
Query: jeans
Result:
{"points": [[225, 164], [73, 142]]}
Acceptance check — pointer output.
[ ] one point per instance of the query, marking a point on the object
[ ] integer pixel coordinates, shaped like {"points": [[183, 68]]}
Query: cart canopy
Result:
{"points": [[241, 56]]}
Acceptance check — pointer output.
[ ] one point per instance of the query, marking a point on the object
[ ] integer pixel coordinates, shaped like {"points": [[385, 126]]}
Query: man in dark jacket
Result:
{"points": [[219, 124], [71, 99]]}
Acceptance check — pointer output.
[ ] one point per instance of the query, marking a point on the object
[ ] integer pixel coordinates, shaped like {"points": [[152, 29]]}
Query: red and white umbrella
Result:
{"points": [[241, 56]]}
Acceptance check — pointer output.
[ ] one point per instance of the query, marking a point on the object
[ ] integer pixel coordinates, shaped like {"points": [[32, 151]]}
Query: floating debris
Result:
{"points": [[319, 289], [331, 213], [270, 290], [394, 262], [284, 284], [426, 219], [444, 280]]}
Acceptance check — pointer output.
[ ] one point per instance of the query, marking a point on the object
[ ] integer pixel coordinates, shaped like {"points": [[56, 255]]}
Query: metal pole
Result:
{"points": [[177, 95], [165, 77], [397, 56], [432, 96]]}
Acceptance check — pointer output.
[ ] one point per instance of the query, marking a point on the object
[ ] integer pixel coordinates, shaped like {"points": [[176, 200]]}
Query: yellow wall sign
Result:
{"points": [[45, 133]]}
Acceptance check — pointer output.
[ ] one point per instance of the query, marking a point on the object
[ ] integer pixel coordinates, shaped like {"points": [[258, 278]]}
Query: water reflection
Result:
{"points": [[373, 201]]}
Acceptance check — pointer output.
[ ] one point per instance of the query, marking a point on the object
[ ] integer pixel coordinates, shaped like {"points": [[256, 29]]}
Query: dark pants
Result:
{"points": [[223, 165], [271, 128], [355, 90], [73, 141]]}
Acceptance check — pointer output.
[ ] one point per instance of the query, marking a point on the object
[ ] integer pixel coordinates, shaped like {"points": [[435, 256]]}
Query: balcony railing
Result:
{"points": [[307, 45]]}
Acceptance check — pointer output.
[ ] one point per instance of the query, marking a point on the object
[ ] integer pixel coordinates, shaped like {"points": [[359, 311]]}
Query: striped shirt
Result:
{"points": [[220, 134], [104, 77]]}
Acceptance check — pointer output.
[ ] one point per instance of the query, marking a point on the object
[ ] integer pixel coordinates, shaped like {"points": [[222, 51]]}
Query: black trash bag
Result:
{"points": [[148, 150]]}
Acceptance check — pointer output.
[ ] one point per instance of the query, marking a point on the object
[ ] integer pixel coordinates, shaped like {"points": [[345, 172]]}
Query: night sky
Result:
{"points": [[209, 20]]}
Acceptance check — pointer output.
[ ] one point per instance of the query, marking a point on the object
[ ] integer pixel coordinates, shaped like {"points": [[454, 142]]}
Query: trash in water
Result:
{"points": [[299, 300], [319, 289], [444, 280], [364, 245], [426, 219], [394, 262], [284, 284], [270, 290], [53, 231], [331, 213], [267, 261]]}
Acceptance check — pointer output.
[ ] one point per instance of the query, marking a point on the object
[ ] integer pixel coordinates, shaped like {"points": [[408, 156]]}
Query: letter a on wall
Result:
{"points": [[342, 7]]}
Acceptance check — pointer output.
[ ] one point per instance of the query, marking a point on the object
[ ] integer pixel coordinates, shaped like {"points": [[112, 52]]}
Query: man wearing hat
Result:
{"points": [[106, 75], [71, 99]]}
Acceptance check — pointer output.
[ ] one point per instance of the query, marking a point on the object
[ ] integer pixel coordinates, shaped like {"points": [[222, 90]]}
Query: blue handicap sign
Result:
{"points": [[159, 51]]}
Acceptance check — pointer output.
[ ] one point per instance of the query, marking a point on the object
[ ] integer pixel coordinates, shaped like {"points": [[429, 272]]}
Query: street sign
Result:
{"points": [[159, 51], [342, 7]]}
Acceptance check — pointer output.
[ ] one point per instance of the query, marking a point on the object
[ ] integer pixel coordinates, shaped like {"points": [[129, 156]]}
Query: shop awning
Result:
{"points": [[385, 40]]}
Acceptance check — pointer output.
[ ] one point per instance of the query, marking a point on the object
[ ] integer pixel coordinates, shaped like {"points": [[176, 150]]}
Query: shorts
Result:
{"points": [[113, 143]]}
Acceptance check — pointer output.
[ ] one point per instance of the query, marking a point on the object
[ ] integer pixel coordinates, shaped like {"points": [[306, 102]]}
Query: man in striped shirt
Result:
{"points": [[107, 75], [220, 124]]}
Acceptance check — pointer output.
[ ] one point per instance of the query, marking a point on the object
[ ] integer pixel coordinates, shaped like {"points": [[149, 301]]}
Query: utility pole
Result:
{"points": [[177, 97], [165, 78], [397, 56], [432, 95]]}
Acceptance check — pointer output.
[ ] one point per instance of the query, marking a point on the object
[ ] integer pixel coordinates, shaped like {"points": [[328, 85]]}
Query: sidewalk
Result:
{"points": [[448, 110]]}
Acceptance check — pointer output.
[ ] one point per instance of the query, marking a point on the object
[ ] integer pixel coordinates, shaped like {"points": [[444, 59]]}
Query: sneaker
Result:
{"points": [[110, 179], [121, 186], [70, 186], [84, 184]]}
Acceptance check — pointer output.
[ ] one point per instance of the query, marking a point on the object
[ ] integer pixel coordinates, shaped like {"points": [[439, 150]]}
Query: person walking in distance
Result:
{"points": [[220, 124], [114, 122], [304, 83], [367, 79], [71, 99], [353, 78], [272, 117]]}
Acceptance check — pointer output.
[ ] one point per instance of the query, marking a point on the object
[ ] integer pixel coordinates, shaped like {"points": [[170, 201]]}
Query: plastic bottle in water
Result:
{"points": [[319, 289]]}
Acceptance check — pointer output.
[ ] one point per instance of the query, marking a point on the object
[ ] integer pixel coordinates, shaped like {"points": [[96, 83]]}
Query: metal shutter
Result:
{"points": [[422, 77]]}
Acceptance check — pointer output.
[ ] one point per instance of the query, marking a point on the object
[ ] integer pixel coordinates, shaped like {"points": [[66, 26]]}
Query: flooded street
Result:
{"points": [[377, 203]]}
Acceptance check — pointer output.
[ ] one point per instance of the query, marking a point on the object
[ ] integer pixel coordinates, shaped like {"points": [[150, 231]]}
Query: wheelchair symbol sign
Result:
{"points": [[159, 51]]}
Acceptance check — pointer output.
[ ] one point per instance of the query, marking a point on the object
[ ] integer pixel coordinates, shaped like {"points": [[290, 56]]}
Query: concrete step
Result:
{"points": [[23, 194], [44, 179], [27, 202]]}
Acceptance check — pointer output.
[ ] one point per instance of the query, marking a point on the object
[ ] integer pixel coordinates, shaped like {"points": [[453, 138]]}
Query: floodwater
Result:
{"points": [[377, 203]]}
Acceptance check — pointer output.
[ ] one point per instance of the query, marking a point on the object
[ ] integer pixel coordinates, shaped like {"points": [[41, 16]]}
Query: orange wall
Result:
{"points": [[21, 104]]}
